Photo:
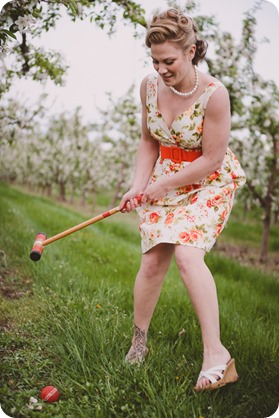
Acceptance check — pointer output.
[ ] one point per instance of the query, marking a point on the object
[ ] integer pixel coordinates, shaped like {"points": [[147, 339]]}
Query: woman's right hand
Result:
{"points": [[130, 200]]}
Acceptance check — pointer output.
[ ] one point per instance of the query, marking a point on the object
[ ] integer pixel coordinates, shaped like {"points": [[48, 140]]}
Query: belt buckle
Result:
{"points": [[176, 154]]}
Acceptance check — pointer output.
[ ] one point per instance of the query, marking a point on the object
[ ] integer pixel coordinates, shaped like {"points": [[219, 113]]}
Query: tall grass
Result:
{"points": [[75, 329]]}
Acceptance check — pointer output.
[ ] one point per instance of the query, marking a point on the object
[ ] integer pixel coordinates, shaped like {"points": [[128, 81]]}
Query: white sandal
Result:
{"points": [[229, 375]]}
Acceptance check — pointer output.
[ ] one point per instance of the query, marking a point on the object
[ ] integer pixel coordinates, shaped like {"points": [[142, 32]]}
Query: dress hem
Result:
{"points": [[206, 250]]}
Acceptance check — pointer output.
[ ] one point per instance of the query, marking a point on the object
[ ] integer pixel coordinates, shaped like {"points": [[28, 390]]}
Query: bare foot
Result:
{"points": [[138, 349]]}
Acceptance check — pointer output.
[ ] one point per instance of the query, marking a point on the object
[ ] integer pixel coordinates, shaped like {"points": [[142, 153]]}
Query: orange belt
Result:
{"points": [[177, 155]]}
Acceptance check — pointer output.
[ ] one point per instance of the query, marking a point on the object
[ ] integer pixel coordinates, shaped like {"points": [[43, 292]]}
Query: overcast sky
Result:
{"points": [[99, 64]]}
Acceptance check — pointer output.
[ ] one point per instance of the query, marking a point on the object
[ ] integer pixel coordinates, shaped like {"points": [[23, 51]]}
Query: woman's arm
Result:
{"points": [[216, 131], [147, 154]]}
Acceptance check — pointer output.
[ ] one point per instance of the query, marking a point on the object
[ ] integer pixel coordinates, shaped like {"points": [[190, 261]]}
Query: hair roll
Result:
{"points": [[172, 25]]}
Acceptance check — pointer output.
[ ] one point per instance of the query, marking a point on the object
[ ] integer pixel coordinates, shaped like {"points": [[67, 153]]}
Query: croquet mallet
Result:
{"points": [[41, 239]]}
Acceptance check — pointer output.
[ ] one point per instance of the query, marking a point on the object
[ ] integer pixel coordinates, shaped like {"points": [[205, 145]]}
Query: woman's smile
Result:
{"points": [[166, 77]]}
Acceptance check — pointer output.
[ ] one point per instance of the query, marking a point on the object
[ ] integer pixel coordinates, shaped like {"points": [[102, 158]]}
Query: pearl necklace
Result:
{"points": [[189, 93]]}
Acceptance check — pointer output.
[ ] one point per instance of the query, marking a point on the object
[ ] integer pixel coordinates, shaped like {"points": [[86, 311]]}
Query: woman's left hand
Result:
{"points": [[154, 191]]}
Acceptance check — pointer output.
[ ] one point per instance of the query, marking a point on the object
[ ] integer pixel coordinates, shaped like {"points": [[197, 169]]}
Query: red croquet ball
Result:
{"points": [[49, 394]]}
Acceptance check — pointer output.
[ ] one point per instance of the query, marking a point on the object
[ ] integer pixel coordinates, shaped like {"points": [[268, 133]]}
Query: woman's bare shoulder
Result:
{"points": [[219, 100], [207, 79]]}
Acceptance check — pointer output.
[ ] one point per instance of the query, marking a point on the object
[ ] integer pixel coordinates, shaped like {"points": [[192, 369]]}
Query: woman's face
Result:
{"points": [[171, 62]]}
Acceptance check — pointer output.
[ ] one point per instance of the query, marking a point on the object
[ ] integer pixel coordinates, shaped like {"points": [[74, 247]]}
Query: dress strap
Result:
{"points": [[151, 89], [210, 89]]}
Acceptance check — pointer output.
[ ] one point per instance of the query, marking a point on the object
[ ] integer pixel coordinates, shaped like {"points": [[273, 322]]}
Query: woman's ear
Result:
{"points": [[191, 52]]}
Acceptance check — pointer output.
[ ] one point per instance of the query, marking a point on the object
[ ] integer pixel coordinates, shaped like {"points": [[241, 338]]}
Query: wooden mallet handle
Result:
{"points": [[41, 239]]}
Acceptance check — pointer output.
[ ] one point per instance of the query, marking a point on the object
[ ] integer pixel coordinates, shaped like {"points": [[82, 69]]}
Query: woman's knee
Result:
{"points": [[187, 258], [156, 262]]}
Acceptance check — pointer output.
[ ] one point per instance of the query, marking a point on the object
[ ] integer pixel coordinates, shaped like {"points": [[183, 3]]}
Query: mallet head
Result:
{"points": [[37, 249]]}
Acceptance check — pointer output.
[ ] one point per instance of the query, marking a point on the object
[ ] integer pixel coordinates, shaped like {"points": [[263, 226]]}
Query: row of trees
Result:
{"points": [[68, 154], [255, 122], [61, 152], [71, 157]]}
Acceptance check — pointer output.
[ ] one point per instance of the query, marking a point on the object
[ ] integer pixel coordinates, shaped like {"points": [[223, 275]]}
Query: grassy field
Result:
{"points": [[67, 321]]}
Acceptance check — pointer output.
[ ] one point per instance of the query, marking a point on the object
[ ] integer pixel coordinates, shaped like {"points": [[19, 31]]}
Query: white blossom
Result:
{"points": [[24, 23], [4, 51], [27, 4], [42, 76]]}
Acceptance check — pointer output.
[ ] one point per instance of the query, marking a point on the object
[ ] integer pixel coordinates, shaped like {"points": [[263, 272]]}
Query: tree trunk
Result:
{"points": [[83, 197], [117, 188], [265, 237], [49, 190], [114, 197], [275, 217], [93, 198], [62, 189], [72, 199], [246, 209], [268, 201]]}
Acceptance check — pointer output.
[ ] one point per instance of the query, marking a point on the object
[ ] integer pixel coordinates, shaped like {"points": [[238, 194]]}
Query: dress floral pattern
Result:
{"points": [[194, 214]]}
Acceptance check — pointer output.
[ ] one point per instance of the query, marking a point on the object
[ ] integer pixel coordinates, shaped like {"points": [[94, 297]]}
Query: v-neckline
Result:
{"points": [[184, 111]]}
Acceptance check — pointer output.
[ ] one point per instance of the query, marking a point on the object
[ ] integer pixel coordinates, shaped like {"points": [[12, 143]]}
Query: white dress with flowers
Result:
{"points": [[195, 214]]}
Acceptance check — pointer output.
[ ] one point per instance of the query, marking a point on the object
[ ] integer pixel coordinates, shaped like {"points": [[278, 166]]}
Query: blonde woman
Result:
{"points": [[187, 176]]}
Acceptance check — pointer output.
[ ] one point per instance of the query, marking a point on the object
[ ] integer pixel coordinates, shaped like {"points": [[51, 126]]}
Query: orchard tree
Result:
{"points": [[66, 155], [120, 133], [23, 20], [61, 155], [20, 23], [17, 117], [257, 145], [19, 124], [254, 108]]}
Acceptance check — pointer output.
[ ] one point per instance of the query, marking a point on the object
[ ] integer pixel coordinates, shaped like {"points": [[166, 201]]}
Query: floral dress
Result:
{"points": [[195, 214]]}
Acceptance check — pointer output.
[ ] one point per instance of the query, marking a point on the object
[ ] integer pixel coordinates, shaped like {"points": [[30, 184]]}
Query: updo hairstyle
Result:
{"points": [[172, 25]]}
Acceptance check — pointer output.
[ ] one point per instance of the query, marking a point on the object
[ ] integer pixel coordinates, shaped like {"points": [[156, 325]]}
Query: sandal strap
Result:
{"points": [[213, 371]]}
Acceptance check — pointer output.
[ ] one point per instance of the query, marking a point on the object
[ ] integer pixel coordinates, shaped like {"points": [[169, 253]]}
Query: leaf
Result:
{"points": [[73, 6], [8, 33]]}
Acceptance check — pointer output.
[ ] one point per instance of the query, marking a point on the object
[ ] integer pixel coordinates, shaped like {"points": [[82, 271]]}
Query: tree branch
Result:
{"points": [[273, 170], [24, 49], [255, 193]]}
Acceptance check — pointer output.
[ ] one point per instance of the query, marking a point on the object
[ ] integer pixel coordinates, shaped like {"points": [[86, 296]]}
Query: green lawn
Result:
{"points": [[67, 321]]}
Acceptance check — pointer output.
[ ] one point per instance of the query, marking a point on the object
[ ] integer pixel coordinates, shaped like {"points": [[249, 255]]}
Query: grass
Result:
{"points": [[67, 321], [246, 228]]}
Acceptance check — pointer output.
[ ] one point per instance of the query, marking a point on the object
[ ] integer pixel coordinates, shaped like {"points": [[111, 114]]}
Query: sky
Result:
{"points": [[100, 64]]}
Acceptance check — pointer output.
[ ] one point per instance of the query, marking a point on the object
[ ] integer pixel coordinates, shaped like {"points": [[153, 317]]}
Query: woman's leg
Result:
{"points": [[148, 284], [202, 291]]}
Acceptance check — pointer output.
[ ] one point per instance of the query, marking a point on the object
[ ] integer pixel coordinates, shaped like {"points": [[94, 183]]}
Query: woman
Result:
{"points": [[187, 177]]}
